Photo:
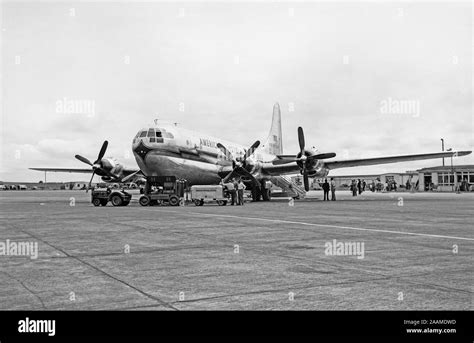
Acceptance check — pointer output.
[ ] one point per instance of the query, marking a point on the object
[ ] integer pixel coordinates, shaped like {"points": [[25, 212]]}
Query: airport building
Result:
{"points": [[442, 178], [438, 178]]}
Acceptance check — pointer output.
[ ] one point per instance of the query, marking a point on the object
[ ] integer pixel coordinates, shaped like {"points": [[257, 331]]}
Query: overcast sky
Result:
{"points": [[331, 66]]}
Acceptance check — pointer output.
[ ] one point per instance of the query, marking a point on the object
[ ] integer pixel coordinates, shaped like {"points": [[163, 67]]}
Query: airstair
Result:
{"points": [[288, 186]]}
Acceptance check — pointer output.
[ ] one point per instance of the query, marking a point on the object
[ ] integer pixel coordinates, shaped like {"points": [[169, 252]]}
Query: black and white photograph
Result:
{"points": [[228, 157]]}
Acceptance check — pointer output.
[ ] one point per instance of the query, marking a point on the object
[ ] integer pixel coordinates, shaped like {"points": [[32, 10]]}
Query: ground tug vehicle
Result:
{"points": [[162, 190], [101, 196], [201, 194]]}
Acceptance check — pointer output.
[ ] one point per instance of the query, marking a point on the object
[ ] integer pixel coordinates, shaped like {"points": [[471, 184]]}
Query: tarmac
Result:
{"points": [[418, 251]]}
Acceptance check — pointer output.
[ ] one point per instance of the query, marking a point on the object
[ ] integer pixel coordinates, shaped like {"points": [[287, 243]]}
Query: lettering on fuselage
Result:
{"points": [[207, 142]]}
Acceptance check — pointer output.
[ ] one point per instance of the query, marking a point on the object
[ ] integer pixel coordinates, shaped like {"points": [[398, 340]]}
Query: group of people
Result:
{"points": [[358, 186], [329, 187], [236, 190]]}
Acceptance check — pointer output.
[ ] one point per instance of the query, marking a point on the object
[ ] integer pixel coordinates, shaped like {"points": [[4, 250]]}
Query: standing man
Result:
{"points": [[236, 187], [231, 189], [359, 186], [326, 190], [240, 189], [333, 189], [354, 188]]}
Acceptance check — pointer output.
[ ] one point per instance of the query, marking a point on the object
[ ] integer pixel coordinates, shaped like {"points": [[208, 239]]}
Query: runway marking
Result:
{"points": [[336, 226]]}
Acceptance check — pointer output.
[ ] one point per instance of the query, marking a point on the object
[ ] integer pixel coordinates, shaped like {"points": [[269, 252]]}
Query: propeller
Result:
{"points": [[239, 164], [249, 152], [96, 166], [301, 157]]}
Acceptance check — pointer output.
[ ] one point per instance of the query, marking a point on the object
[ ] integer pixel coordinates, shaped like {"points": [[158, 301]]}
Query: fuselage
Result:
{"points": [[190, 155]]}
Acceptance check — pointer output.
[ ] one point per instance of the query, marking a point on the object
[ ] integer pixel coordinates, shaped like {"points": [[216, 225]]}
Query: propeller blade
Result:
{"points": [[306, 181], [322, 156], [283, 161], [102, 152], [83, 159], [301, 139], [90, 182], [251, 150], [240, 171], [128, 177]]}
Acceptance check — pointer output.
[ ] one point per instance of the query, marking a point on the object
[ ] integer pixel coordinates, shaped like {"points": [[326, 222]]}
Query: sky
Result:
{"points": [[362, 79]]}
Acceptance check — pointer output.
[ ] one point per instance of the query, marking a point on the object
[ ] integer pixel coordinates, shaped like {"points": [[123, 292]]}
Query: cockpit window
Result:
{"points": [[151, 133], [143, 134], [167, 135], [158, 134]]}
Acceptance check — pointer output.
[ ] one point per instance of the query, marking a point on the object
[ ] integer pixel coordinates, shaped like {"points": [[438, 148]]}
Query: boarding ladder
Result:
{"points": [[288, 186]]}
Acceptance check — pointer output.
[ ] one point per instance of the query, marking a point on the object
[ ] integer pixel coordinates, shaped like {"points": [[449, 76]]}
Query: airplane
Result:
{"points": [[167, 149]]}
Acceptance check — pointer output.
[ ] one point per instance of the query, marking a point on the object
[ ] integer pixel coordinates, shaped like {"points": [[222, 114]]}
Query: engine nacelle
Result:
{"points": [[319, 170]]}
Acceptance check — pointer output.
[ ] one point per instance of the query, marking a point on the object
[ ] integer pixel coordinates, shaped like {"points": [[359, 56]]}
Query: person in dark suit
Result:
{"points": [[326, 190]]}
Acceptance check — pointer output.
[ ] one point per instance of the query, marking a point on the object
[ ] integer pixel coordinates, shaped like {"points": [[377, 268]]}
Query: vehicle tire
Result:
{"points": [[173, 200], [96, 202], [221, 202], [116, 200], [144, 200], [104, 202], [197, 202]]}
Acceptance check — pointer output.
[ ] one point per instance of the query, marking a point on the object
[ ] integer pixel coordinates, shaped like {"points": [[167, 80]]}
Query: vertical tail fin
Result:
{"points": [[273, 144]]}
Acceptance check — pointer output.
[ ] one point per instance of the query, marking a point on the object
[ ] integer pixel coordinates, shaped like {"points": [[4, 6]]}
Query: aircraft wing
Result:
{"points": [[125, 171], [64, 170], [391, 159]]}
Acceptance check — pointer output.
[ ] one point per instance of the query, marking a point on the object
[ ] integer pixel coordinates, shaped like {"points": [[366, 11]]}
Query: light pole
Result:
{"points": [[442, 148], [452, 170]]}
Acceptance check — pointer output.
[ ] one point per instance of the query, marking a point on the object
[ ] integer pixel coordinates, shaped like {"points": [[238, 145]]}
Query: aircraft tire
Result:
{"points": [[266, 194], [256, 194]]}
